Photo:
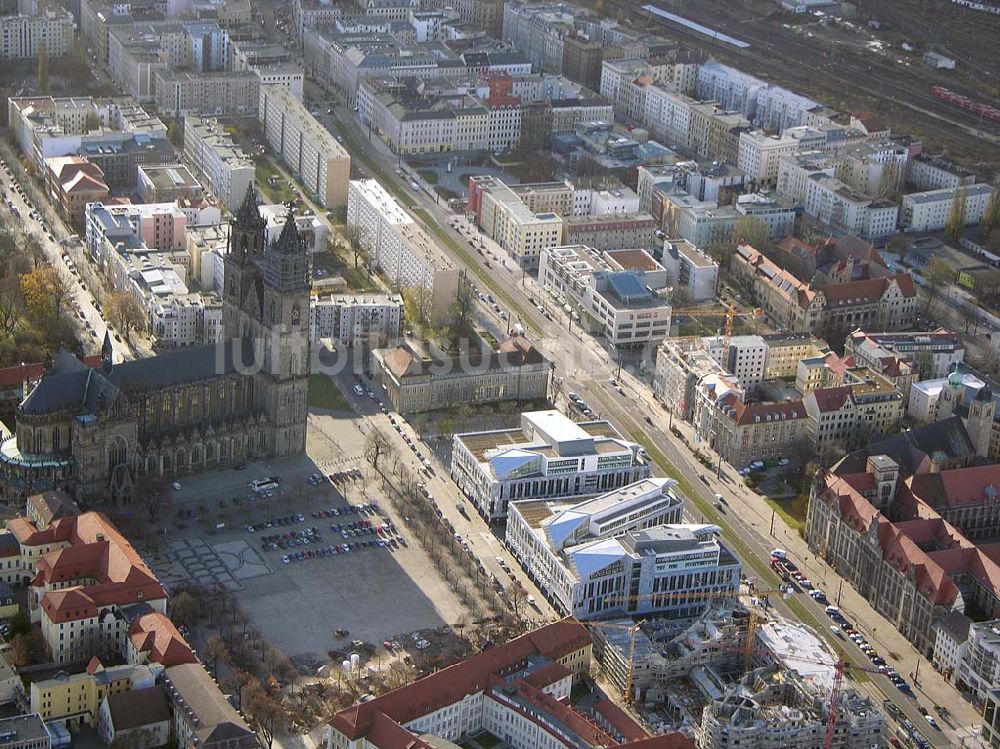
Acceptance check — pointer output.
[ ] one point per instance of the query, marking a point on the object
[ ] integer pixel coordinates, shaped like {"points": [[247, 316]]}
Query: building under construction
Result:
{"points": [[704, 680]]}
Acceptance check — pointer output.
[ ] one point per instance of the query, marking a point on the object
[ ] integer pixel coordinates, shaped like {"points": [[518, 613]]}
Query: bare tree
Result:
{"points": [[377, 447], [215, 651], [184, 609]]}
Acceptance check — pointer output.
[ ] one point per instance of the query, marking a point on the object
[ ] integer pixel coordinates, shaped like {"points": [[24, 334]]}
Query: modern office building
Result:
{"points": [[622, 305], [548, 456]]}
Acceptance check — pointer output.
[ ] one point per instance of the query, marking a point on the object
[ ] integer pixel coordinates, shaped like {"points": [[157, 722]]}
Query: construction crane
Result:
{"points": [[755, 619], [730, 314]]}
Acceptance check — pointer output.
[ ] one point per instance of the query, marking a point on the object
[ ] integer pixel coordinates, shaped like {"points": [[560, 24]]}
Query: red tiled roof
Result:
{"points": [[957, 487], [830, 399], [743, 413], [96, 551], [155, 634], [472, 675], [622, 721]]}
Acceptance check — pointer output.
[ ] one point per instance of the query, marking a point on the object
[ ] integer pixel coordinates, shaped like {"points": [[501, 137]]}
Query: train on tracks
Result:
{"points": [[964, 102]]}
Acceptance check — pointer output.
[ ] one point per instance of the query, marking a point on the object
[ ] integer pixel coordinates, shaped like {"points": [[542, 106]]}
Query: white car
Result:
{"points": [[176, 486], [359, 391]]}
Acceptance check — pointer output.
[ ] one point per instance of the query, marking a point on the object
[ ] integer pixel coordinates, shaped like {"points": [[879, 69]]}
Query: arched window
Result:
{"points": [[117, 453]]}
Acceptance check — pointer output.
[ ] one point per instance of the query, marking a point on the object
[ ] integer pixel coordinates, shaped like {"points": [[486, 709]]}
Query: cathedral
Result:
{"points": [[96, 433]]}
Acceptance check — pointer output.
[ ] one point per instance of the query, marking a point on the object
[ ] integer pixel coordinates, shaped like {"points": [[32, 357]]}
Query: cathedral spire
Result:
{"points": [[248, 214], [289, 240], [107, 353]]}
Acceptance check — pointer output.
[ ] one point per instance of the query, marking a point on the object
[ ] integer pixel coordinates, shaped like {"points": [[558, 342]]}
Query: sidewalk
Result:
{"points": [[932, 689]]}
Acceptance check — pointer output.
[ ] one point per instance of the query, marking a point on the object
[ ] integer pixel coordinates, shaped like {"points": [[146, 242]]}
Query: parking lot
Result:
{"points": [[350, 563]]}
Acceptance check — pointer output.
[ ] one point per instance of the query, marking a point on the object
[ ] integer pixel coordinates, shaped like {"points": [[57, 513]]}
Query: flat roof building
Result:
{"points": [[548, 456]]}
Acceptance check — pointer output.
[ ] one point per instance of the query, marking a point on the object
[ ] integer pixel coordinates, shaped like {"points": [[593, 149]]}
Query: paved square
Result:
{"points": [[193, 560]]}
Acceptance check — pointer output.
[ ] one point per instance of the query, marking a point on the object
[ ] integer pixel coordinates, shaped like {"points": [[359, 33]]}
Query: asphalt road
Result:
{"points": [[584, 366], [48, 231]]}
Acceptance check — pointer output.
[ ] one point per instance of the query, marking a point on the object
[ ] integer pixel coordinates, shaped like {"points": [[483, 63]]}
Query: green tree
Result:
{"points": [[954, 225], [125, 313], [175, 134], [937, 274], [752, 231], [45, 293], [42, 69], [991, 216]]}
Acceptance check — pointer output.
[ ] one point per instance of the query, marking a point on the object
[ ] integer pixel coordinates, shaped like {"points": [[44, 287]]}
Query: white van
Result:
{"points": [[831, 610], [779, 553]]}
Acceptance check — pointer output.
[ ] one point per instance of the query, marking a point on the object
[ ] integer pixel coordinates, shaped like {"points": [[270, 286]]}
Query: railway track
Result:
{"points": [[779, 59]]}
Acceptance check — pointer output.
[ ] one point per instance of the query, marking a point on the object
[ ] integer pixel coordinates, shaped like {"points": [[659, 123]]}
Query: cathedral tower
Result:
{"points": [[266, 300]]}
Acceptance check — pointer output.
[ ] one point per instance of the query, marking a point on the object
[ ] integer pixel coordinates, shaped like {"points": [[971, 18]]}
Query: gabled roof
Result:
{"points": [[156, 635], [830, 399], [141, 707]]}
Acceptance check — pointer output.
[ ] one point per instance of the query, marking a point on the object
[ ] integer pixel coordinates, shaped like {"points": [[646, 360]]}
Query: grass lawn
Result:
{"points": [[323, 393], [487, 740], [429, 176], [280, 192], [786, 509]]}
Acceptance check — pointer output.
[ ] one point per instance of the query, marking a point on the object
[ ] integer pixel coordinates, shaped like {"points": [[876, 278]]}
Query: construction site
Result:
{"points": [[739, 676]]}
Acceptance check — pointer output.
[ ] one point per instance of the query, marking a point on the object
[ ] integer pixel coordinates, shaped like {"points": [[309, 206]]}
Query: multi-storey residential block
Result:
{"points": [[926, 172], [24, 35], [690, 268], [356, 319], [487, 14], [850, 413], [906, 357], [226, 167], [179, 94], [504, 217], [305, 146], [548, 456], [680, 364], [929, 211], [611, 231], [760, 154], [116, 134], [402, 249], [841, 207], [621, 304], [413, 383]]}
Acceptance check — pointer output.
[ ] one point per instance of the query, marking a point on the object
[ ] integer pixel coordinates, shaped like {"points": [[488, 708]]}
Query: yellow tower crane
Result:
{"points": [[730, 314]]}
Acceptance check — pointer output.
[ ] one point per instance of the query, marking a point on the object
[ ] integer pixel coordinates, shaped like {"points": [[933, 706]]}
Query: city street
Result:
{"points": [[584, 366]]}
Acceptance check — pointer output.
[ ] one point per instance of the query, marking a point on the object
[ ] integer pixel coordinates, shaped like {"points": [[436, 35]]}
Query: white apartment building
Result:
{"points": [[356, 319], [282, 74], [617, 304], [690, 268], [668, 116], [935, 173], [735, 90], [22, 36], [842, 207], [795, 170], [979, 670], [305, 146], [224, 165], [503, 216], [745, 357], [928, 211], [760, 154], [548, 456], [397, 245]]}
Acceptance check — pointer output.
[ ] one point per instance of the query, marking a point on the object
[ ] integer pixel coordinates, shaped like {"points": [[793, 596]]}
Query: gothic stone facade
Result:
{"points": [[95, 432]]}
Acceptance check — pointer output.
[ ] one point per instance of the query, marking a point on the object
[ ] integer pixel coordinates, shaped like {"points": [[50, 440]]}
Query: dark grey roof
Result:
{"points": [[9, 546], [87, 388], [945, 440], [142, 707], [956, 624]]}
